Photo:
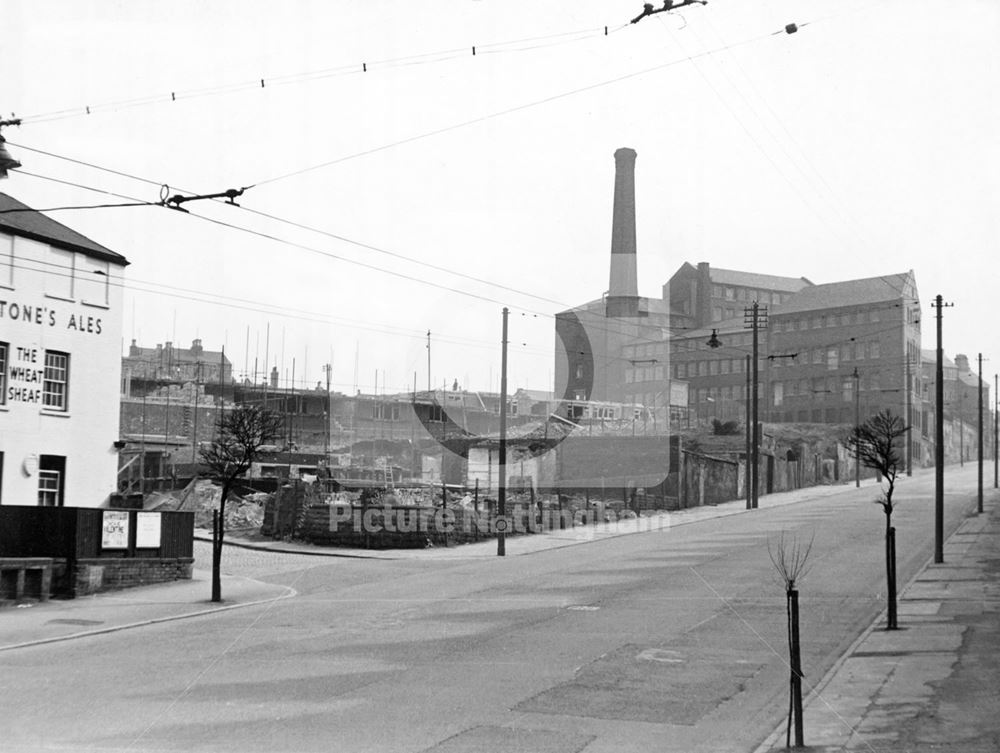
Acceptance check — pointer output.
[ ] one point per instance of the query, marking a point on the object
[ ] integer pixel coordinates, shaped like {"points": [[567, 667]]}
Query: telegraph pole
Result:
{"points": [[940, 305], [428, 360], [501, 524], [979, 499], [749, 430], [909, 415], [753, 313], [327, 367], [857, 422], [996, 432]]}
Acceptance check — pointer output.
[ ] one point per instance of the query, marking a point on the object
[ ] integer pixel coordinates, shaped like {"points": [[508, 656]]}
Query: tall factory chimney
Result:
{"points": [[623, 291]]}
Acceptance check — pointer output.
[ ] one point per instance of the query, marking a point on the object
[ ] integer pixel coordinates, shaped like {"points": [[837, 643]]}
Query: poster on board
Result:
{"points": [[147, 530], [114, 529]]}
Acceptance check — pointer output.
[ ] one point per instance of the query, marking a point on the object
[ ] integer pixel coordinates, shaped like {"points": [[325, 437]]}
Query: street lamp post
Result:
{"points": [[940, 305], [502, 461], [857, 422], [979, 498]]}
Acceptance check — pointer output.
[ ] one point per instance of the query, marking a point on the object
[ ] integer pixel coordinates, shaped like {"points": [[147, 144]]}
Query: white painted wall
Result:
{"points": [[75, 307]]}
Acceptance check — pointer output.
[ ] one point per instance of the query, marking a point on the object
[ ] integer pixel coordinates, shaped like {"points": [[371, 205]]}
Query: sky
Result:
{"points": [[396, 183]]}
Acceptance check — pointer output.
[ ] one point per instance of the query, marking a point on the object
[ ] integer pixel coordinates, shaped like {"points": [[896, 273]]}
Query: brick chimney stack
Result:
{"points": [[962, 362], [623, 291]]}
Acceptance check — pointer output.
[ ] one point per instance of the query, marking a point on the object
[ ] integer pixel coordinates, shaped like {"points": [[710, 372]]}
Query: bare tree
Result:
{"points": [[875, 444], [789, 558], [241, 434]]}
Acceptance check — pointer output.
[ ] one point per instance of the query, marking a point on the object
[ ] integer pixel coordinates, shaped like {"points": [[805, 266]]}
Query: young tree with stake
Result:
{"points": [[789, 558], [241, 433], [875, 444]]}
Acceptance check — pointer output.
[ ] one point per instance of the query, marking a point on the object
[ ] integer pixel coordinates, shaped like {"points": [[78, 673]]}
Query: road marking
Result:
{"points": [[666, 656]]}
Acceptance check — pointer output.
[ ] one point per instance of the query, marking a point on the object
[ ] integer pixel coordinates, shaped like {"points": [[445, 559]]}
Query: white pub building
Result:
{"points": [[60, 362]]}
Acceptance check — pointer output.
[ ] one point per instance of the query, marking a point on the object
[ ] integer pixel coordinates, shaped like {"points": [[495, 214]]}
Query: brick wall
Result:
{"points": [[106, 574], [411, 527]]}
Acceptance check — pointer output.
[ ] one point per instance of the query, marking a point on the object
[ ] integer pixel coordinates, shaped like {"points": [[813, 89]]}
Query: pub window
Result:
{"points": [[51, 480], [7, 261], [59, 273], [4, 347], [94, 282], [55, 388]]}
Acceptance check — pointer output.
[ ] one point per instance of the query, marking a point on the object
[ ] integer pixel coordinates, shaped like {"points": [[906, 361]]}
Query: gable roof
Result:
{"points": [[849, 293], [176, 355], [20, 219], [755, 280]]}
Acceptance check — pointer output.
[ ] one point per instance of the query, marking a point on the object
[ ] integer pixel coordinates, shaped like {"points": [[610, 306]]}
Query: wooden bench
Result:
{"points": [[22, 577]]}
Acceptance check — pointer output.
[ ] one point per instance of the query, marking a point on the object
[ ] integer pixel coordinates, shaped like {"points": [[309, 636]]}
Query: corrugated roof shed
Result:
{"points": [[29, 223]]}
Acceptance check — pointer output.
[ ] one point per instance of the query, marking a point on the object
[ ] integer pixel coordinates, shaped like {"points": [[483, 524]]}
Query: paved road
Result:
{"points": [[671, 640]]}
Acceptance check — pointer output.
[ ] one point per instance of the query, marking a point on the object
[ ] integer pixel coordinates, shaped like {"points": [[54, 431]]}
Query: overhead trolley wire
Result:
{"points": [[349, 69], [508, 111]]}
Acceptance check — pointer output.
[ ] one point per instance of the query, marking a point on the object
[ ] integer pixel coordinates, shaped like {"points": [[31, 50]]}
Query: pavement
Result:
{"points": [[930, 686], [35, 623], [933, 684], [555, 539]]}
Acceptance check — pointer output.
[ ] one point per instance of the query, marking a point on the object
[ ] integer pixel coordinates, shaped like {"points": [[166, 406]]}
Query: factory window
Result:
{"points": [[713, 368], [876, 349], [385, 412], [55, 388]]}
